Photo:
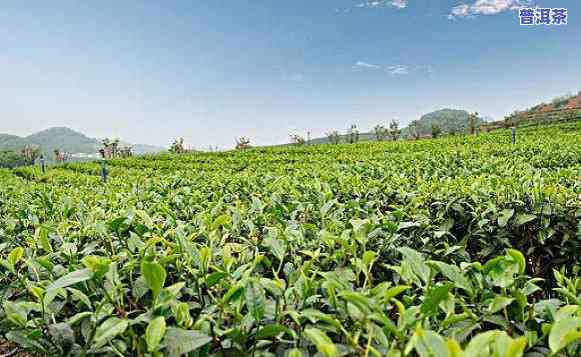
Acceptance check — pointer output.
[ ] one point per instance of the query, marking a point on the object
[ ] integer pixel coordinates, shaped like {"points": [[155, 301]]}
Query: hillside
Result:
{"points": [[63, 139], [560, 109], [449, 120], [568, 101]]}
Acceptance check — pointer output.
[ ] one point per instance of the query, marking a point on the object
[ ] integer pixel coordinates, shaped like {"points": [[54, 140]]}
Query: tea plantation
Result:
{"points": [[460, 246]]}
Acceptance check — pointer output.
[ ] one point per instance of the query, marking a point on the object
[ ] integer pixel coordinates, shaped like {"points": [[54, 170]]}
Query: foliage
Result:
{"points": [[11, 159], [334, 137], [394, 131], [30, 153], [65, 140], [461, 246], [380, 132], [297, 139], [436, 130], [449, 120], [178, 147], [472, 123], [112, 148], [413, 130], [243, 143], [352, 134]]}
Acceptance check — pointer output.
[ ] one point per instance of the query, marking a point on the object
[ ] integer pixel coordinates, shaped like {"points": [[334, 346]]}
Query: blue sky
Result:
{"points": [[150, 71]]}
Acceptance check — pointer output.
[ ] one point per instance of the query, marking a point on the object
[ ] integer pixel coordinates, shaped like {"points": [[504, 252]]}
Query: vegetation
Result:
{"points": [[25, 157], [380, 132], [66, 141], [449, 120], [352, 134], [297, 140], [11, 159], [30, 153], [178, 147], [413, 130], [461, 246], [436, 131], [243, 143], [334, 137], [394, 131], [473, 123]]}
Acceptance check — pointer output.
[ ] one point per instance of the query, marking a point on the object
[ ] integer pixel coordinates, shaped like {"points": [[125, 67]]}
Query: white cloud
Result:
{"points": [[400, 4], [360, 65], [398, 70], [295, 77], [486, 7]]}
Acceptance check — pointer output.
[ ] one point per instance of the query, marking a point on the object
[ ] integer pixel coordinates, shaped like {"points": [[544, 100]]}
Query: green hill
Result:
{"points": [[449, 120], [63, 139]]}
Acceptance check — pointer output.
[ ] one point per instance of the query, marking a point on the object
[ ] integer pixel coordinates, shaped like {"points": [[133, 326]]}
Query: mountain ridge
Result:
{"points": [[449, 120], [64, 139]]}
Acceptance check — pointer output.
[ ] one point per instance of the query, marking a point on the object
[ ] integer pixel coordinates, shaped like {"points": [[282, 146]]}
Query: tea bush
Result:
{"points": [[461, 246]]}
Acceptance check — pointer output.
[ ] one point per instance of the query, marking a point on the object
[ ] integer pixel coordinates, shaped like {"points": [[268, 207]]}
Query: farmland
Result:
{"points": [[461, 246]]}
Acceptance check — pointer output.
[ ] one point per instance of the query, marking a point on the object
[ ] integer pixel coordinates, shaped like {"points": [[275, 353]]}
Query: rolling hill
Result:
{"points": [[64, 139], [449, 120]]}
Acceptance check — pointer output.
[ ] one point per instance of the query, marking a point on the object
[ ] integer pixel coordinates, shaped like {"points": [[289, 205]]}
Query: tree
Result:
{"points": [[11, 159], [126, 151], [30, 154], [61, 156], [243, 143], [115, 147], [413, 128], [352, 134], [106, 150], [574, 102], [436, 130], [394, 131], [380, 132], [297, 140], [177, 147], [334, 137], [472, 119]]}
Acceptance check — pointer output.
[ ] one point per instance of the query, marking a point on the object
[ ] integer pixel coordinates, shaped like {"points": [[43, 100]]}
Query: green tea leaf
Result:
{"points": [[499, 303], [41, 237], [71, 279], [108, 330], [504, 216], [435, 296], [215, 278], [270, 331], [417, 263], [180, 342], [154, 275], [16, 313], [321, 341], [453, 273], [14, 256], [255, 298], [563, 332], [523, 218], [154, 333]]}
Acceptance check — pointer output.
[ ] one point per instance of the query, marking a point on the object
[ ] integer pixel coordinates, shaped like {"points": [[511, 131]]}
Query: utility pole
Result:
{"points": [[103, 166], [308, 137], [42, 163]]}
